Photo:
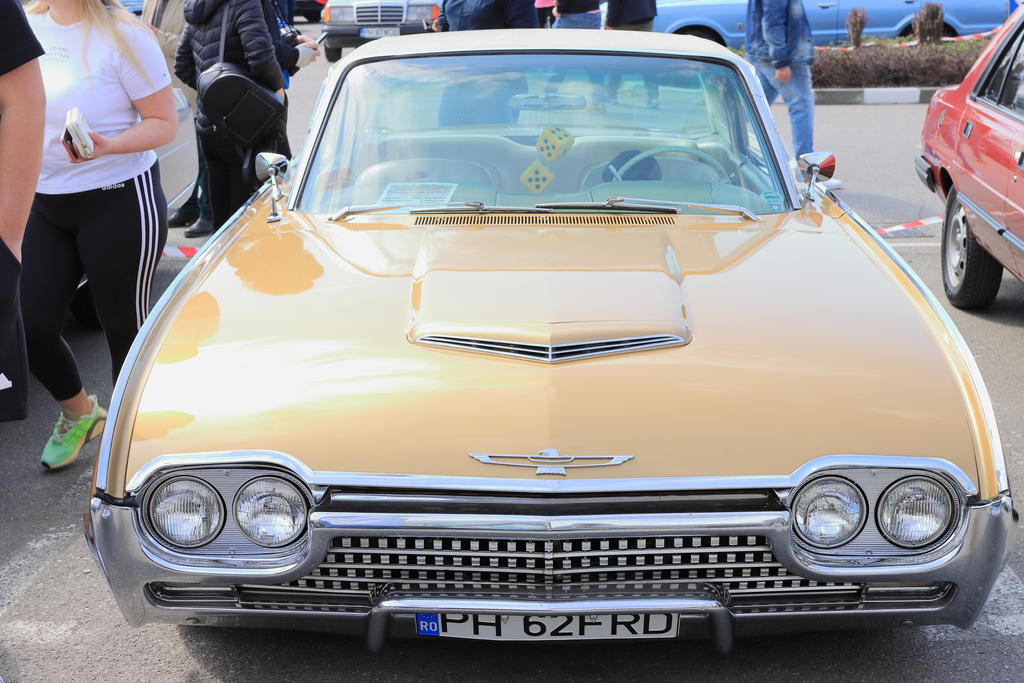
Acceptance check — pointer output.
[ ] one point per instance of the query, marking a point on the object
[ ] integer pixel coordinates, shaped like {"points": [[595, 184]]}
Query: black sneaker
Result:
{"points": [[182, 217]]}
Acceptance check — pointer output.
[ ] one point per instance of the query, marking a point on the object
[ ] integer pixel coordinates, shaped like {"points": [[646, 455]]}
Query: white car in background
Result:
{"points": [[350, 23]]}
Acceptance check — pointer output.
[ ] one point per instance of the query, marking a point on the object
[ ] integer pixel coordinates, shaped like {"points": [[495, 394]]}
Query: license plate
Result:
{"points": [[378, 32], [562, 627]]}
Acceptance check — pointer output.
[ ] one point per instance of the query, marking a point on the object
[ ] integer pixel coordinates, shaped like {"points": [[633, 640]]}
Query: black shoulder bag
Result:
{"points": [[237, 105]]}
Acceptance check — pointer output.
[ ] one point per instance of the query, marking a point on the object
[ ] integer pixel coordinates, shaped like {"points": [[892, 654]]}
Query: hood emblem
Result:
{"points": [[550, 461]]}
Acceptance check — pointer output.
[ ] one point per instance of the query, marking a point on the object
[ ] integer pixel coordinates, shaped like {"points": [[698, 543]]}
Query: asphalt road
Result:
{"points": [[59, 622]]}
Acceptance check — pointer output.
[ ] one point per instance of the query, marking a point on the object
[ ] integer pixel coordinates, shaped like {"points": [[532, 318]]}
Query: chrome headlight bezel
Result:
{"points": [[230, 547], [818, 481], [153, 498], [951, 516], [300, 530], [343, 14]]}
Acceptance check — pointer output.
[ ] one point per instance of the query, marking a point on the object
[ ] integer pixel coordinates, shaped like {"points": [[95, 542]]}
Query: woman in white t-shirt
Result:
{"points": [[102, 216]]}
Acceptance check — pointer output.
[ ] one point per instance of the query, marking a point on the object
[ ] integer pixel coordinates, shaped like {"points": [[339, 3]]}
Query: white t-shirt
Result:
{"points": [[103, 90]]}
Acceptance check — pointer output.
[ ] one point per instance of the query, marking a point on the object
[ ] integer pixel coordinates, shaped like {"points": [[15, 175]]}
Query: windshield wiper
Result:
{"points": [[659, 205], [360, 208], [481, 207]]}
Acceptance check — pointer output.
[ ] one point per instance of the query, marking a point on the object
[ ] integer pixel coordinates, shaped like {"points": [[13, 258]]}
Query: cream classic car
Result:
{"points": [[546, 340]]}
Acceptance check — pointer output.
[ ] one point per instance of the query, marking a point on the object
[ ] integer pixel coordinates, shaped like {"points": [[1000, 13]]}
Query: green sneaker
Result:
{"points": [[70, 435]]}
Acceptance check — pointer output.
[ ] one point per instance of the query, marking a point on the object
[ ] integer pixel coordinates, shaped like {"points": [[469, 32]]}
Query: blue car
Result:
{"points": [[722, 20]]}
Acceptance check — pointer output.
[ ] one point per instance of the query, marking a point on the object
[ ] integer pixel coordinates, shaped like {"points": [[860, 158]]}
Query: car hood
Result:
{"points": [[795, 341]]}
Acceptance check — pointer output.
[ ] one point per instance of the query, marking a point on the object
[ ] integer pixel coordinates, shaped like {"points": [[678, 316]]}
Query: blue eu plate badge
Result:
{"points": [[428, 624]]}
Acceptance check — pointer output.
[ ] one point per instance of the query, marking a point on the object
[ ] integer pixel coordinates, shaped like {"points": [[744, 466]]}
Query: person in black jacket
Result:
{"points": [[292, 54], [250, 45]]}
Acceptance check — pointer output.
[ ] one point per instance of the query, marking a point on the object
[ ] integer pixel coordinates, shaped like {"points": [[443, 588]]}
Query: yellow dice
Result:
{"points": [[537, 177], [554, 143]]}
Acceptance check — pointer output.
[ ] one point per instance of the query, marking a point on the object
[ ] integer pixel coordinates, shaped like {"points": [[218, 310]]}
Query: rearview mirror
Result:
{"points": [[270, 165], [816, 164], [547, 101]]}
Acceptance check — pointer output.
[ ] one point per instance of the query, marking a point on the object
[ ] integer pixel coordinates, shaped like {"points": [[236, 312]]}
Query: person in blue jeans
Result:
{"points": [[779, 46], [577, 14]]}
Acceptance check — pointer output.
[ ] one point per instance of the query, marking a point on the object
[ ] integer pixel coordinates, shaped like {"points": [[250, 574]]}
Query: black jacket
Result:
{"points": [[622, 12], [287, 55], [248, 43]]}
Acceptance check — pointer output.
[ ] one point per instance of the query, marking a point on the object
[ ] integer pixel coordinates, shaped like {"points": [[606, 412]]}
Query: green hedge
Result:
{"points": [[881, 65]]}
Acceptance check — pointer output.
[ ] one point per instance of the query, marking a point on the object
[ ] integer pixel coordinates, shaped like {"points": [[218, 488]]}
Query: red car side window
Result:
{"points": [[997, 77], [1013, 90]]}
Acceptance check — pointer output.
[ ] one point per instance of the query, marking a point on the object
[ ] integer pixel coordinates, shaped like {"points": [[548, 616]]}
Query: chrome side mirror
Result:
{"points": [[814, 165], [272, 166]]}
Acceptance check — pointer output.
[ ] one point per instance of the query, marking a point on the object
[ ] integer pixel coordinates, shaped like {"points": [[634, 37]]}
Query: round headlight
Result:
{"points": [[186, 512], [270, 512], [828, 512], [914, 512]]}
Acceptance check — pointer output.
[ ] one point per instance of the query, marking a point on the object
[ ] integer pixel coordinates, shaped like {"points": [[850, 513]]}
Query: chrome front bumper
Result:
{"points": [[972, 564]]}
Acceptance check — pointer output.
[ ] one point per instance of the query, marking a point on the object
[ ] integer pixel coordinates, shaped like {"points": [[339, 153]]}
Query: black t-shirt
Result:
{"points": [[19, 43]]}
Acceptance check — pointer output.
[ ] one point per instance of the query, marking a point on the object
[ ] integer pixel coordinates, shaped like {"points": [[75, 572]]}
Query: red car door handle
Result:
{"points": [[1020, 159], [968, 127]]}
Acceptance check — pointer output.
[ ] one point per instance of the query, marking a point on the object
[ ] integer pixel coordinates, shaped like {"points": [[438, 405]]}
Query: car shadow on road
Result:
{"points": [[1008, 308], [239, 654]]}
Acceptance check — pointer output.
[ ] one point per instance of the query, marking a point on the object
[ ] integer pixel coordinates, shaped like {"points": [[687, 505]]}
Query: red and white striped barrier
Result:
{"points": [[180, 252], [911, 229]]}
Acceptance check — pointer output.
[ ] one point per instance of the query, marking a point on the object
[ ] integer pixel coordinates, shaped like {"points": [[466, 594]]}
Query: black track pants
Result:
{"points": [[114, 236]]}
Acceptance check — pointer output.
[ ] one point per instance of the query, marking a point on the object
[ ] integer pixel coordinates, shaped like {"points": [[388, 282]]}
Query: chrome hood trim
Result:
{"points": [[554, 353]]}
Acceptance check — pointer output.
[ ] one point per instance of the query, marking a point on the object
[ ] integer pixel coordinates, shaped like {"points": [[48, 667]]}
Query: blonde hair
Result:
{"points": [[104, 16]]}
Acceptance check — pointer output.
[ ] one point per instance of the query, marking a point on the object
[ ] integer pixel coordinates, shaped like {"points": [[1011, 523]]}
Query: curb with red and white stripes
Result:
{"points": [[911, 229]]}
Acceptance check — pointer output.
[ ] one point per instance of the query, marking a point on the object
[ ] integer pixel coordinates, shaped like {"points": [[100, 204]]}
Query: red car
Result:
{"points": [[973, 155]]}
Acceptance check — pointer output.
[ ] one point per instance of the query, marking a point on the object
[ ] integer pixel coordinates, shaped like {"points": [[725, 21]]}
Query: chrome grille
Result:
{"points": [[734, 565], [379, 14], [553, 354]]}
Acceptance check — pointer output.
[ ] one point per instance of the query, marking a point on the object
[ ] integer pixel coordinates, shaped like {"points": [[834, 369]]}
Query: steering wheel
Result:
{"points": [[696, 154]]}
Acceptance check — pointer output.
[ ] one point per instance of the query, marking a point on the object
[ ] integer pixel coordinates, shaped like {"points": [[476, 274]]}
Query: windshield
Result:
{"points": [[517, 130]]}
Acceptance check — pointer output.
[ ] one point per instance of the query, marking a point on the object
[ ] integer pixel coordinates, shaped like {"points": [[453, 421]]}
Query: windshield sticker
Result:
{"points": [[554, 143], [775, 200], [417, 195]]}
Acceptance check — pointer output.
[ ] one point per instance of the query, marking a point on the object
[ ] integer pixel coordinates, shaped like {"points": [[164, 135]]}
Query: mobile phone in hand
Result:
{"points": [[76, 134]]}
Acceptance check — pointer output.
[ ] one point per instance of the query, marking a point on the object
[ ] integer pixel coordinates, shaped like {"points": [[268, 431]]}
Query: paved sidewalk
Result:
{"points": [[874, 95]]}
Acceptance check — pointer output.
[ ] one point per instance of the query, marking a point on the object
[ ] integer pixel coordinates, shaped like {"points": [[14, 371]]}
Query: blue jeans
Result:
{"points": [[578, 20], [799, 98]]}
